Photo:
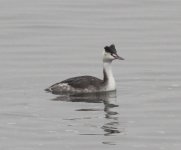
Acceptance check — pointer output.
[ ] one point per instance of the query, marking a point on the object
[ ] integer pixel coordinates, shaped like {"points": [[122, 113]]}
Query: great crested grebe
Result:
{"points": [[90, 84]]}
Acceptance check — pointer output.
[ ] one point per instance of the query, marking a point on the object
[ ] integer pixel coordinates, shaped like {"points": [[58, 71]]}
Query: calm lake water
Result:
{"points": [[45, 41]]}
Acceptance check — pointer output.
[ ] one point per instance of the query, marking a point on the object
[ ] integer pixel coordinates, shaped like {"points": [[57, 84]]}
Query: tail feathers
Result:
{"points": [[48, 90]]}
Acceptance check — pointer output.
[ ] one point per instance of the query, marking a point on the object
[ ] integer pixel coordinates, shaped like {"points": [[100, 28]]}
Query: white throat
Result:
{"points": [[110, 81]]}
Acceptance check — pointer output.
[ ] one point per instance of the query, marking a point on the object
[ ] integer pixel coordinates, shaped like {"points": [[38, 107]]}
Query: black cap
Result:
{"points": [[110, 49]]}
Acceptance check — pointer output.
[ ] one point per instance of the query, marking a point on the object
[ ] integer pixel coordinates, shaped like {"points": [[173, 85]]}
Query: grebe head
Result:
{"points": [[110, 54]]}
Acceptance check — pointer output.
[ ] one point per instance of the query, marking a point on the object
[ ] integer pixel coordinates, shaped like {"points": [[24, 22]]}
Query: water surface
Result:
{"points": [[43, 42]]}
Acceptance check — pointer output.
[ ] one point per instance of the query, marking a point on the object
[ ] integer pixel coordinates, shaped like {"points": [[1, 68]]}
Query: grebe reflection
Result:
{"points": [[111, 124]]}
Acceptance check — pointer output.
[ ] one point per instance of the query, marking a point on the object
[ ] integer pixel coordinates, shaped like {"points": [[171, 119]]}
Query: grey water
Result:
{"points": [[45, 41]]}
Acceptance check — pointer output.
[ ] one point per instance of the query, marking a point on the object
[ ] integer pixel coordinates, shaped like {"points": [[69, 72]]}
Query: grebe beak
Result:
{"points": [[116, 56]]}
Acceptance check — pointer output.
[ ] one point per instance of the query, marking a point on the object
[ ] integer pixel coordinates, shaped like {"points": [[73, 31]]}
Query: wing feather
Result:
{"points": [[83, 82]]}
